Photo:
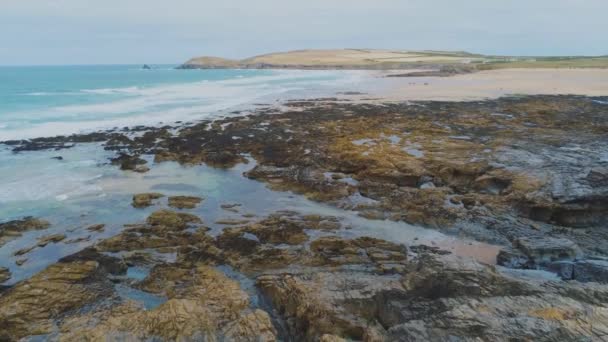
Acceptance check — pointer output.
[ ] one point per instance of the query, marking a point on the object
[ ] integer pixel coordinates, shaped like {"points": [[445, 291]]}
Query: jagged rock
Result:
{"points": [[204, 305], [315, 304], [145, 199], [468, 301], [13, 229], [184, 202], [29, 307]]}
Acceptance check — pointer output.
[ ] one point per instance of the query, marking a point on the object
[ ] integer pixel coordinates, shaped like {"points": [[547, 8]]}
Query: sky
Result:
{"points": [[41, 32]]}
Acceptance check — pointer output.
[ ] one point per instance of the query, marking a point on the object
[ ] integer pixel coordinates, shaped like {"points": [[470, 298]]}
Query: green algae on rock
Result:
{"points": [[144, 200], [13, 229], [184, 202]]}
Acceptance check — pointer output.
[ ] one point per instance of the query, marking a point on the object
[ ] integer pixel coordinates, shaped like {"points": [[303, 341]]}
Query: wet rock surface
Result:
{"points": [[527, 173], [13, 229], [30, 307], [288, 276], [184, 202], [5, 274], [146, 199]]}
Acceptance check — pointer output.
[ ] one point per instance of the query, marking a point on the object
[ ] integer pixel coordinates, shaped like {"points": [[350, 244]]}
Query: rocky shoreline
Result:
{"points": [[527, 173]]}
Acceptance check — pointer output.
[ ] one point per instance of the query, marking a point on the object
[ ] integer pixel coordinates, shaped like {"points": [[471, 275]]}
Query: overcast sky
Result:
{"points": [[154, 31]]}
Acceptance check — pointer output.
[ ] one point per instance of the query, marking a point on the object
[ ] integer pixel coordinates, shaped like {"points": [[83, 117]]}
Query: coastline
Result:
{"points": [[409, 203]]}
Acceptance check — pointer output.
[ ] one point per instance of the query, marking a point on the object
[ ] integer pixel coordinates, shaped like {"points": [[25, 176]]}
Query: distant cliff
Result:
{"points": [[336, 59], [391, 59], [210, 63]]}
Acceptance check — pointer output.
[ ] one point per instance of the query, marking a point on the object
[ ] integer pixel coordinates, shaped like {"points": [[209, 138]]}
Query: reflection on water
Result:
{"points": [[82, 190], [148, 300]]}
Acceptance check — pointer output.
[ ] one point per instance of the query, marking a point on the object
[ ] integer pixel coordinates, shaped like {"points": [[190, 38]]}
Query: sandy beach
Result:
{"points": [[493, 84]]}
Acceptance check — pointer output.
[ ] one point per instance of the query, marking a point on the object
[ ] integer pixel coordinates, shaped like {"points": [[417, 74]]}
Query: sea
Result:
{"points": [[53, 100]]}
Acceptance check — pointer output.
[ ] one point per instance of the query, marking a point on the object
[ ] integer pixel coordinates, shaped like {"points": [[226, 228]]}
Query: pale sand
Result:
{"points": [[491, 84]]}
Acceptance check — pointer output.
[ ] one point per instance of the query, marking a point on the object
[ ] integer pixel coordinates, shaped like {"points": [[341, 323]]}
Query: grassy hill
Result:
{"points": [[390, 59]]}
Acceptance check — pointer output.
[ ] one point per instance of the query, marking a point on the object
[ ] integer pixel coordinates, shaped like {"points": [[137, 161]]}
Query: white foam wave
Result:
{"points": [[35, 176], [45, 93], [168, 103], [111, 91]]}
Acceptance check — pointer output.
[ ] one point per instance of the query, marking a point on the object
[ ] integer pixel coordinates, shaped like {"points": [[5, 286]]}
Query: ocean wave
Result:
{"points": [[168, 103], [50, 93], [110, 91], [35, 176]]}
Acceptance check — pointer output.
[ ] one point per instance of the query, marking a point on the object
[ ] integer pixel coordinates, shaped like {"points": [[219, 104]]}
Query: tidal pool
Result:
{"points": [[83, 189]]}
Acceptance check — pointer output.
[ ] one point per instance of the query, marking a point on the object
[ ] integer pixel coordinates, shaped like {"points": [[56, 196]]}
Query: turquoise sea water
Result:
{"points": [[46, 101]]}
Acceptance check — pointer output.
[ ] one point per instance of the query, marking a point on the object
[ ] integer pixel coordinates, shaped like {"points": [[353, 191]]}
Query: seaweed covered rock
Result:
{"points": [[184, 202], [30, 307], [170, 218], [144, 200], [130, 162], [12, 229], [203, 305]]}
